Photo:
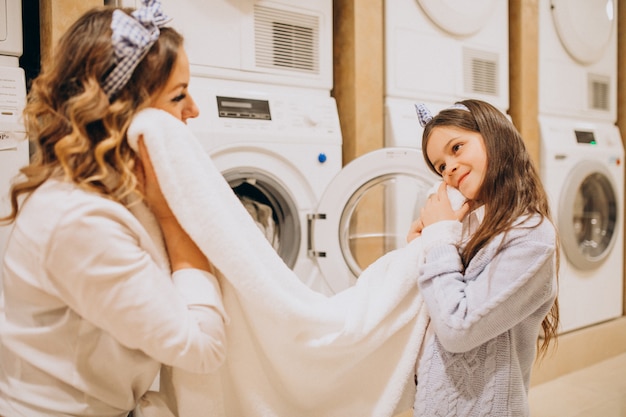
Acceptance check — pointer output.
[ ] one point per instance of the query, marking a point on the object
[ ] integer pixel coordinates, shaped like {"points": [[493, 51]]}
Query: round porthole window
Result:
{"points": [[459, 17], [588, 217], [584, 27]]}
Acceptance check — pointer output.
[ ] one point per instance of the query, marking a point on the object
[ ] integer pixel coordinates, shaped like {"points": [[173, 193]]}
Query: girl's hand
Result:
{"points": [[438, 208], [415, 230]]}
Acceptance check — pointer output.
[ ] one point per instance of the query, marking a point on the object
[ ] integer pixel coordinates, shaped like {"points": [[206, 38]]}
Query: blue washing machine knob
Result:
{"points": [[322, 157]]}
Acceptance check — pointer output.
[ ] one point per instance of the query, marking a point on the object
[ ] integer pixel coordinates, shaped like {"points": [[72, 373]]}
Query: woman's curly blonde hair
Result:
{"points": [[78, 133]]}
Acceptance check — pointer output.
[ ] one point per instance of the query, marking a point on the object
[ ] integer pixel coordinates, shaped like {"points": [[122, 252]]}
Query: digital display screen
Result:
{"points": [[585, 137], [243, 108]]}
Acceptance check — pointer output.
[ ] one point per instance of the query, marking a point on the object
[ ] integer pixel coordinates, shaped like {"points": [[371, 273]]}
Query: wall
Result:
{"points": [[359, 75]]}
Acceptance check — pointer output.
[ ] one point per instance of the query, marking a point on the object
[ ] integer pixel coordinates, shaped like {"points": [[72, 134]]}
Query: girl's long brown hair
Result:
{"points": [[511, 187], [79, 133]]}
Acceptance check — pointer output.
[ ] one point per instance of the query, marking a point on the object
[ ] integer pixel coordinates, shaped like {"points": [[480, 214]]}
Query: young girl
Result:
{"points": [[91, 307], [490, 282]]}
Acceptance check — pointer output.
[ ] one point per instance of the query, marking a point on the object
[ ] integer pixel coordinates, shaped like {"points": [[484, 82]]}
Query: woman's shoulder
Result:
{"points": [[59, 195], [58, 202], [59, 208]]}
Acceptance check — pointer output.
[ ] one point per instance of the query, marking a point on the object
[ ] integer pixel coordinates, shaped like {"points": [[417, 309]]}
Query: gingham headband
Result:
{"points": [[424, 115], [132, 38]]}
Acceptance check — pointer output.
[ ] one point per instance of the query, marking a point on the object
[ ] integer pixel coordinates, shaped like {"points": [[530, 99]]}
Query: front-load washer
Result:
{"points": [[366, 211], [439, 52], [280, 149], [582, 165]]}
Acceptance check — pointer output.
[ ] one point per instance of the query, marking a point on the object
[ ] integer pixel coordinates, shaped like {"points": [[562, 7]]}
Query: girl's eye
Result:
{"points": [[442, 168], [455, 148], [179, 97]]}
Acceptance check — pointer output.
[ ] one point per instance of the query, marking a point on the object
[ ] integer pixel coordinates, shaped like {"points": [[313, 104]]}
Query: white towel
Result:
{"points": [[291, 351]]}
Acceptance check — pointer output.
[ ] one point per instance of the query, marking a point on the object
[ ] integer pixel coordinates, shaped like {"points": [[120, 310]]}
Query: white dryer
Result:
{"points": [[13, 146], [284, 42], [280, 150], [578, 59], [583, 171], [438, 52]]}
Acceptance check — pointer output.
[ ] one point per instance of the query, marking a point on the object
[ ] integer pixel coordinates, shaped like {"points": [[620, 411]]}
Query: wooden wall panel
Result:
{"points": [[56, 16], [359, 74], [523, 71], [358, 89]]}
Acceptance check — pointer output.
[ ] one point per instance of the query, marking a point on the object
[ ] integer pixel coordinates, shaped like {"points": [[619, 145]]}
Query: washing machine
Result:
{"points": [[439, 52], [280, 149], [582, 165], [284, 42], [582, 154], [13, 146]]}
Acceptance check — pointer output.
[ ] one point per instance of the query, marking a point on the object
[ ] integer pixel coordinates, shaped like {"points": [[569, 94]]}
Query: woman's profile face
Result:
{"points": [[174, 97], [460, 157]]}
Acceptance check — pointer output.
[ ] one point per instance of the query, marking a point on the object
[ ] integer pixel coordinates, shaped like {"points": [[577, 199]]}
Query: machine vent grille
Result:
{"points": [[480, 69], [599, 92], [286, 40]]}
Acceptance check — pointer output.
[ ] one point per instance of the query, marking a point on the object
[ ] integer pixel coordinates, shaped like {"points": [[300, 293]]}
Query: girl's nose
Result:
{"points": [[450, 168]]}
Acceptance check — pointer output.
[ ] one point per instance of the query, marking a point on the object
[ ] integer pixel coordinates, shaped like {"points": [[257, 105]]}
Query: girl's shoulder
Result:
{"points": [[535, 226]]}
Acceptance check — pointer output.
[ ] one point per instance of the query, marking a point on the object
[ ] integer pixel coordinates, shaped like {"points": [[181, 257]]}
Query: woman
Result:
{"points": [[93, 306]]}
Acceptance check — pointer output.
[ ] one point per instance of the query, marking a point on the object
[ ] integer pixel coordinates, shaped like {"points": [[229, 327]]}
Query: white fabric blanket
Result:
{"points": [[291, 351]]}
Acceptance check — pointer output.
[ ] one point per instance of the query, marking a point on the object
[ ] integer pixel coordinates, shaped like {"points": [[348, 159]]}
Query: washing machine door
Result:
{"points": [[459, 17], [584, 27], [268, 197], [588, 215], [366, 211]]}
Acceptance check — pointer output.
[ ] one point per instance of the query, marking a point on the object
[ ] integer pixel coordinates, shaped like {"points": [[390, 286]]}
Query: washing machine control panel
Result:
{"points": [[233, 112], [241, 108], [583, 136]]}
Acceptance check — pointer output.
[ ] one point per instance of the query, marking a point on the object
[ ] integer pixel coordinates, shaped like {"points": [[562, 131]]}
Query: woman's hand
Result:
{"points": [[415, 230], [181, 249], [149, 186]]}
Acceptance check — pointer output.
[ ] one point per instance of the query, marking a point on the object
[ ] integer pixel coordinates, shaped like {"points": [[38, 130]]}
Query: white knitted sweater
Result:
{"points": [[485, 321]]}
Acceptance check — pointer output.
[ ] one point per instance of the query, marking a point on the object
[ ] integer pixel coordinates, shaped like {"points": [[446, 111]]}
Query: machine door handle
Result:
{"points": [[311, 218]]}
